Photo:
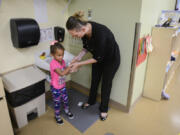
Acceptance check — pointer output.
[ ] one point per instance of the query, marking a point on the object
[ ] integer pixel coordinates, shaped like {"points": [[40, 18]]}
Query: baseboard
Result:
{"points": [[118, 106], [78, 87], [85, 91], [135, 102]]}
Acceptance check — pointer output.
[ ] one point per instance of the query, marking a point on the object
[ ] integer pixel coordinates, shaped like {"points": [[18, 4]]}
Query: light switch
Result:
{"points": [[89, 14]]}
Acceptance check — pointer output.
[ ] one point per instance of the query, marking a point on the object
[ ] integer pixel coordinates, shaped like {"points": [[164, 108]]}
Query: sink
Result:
{"points": [[44, 63]]}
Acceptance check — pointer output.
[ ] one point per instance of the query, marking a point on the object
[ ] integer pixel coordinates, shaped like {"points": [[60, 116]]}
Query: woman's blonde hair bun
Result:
{"points": [[79, 15], [76, 21]]}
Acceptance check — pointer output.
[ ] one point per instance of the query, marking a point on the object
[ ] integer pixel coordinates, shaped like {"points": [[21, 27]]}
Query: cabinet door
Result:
{"points": [[5, 123], [157, 61]]}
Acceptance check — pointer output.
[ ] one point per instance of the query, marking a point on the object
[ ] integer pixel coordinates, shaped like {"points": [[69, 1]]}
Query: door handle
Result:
{"points": [[1, 98]]}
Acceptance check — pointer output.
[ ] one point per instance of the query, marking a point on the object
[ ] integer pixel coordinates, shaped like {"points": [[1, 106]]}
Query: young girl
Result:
{"points": [[58, 86]]}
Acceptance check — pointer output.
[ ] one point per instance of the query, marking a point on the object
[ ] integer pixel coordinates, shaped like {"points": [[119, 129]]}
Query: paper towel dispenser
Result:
{"points": [[25, 32]]}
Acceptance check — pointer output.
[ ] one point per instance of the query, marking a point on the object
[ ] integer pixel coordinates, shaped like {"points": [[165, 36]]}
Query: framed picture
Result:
{"points": [[170, 14]]}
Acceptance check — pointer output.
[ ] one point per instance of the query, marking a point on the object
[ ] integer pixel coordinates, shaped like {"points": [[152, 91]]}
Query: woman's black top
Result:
{"points": [[102, 44]]}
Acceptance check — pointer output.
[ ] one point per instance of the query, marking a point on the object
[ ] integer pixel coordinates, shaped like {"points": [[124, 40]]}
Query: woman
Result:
{"points": [[100, 41]]}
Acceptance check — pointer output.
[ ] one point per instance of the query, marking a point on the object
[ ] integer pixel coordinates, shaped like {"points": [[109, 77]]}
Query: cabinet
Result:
{"points": [[5, 123], [157, 77]]}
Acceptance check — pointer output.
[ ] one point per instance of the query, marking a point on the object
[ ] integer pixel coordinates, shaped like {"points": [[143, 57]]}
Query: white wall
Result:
{"points": [[12, 58]]}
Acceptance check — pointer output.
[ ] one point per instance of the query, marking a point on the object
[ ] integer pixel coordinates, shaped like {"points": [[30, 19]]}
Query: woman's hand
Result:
{"points": [[74, 61], [74, 67]]}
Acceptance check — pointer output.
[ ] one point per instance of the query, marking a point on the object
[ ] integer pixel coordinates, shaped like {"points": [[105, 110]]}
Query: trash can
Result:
{"points": [[25, 93]]}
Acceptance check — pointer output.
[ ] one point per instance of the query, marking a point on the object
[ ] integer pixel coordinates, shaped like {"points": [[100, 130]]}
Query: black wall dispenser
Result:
{"points": [[25, 32], [59, 33]]}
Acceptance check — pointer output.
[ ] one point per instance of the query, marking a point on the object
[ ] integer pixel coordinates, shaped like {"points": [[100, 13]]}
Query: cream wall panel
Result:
{"points": [[12, 58], [120, 16]]}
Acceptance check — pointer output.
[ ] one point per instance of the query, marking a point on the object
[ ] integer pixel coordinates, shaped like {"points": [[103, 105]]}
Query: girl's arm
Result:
{"points": [[62, 73], [79, 56]]}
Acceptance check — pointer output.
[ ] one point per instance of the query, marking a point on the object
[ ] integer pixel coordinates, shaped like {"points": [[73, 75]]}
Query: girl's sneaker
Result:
{"points": [[59, 121], [70, 115]]}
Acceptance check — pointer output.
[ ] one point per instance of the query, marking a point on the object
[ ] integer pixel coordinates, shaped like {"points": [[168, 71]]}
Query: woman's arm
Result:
{"points": [[80, 55], [86, 62], [76, 65], [62, 73]]}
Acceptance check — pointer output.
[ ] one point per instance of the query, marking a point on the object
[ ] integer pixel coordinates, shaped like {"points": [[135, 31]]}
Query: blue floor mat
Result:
{"points": [[83, 119]]}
